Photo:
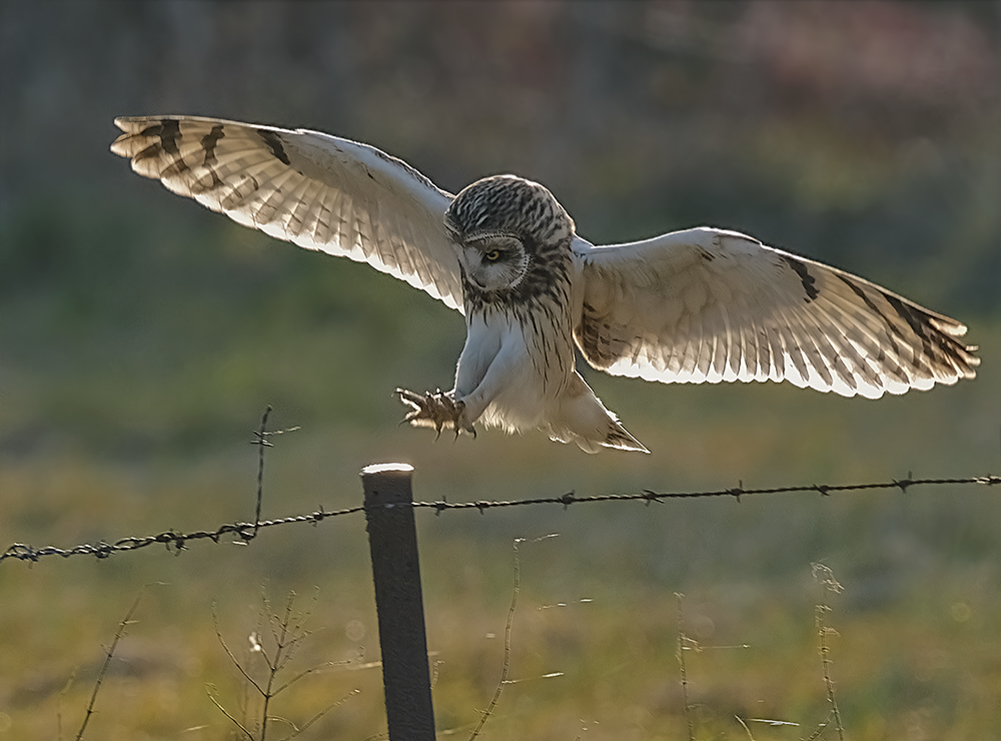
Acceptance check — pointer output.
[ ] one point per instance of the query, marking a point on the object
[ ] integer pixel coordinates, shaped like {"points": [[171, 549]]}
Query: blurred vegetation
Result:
{"points": [[141, 336]]}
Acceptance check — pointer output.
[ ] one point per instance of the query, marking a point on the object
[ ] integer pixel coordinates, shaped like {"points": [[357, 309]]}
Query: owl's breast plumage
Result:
{"points": [[538, 309]]}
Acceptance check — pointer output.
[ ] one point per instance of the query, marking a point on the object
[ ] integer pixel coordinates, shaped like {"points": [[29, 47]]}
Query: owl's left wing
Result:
{"points": [[707, 305], [318, 191]]}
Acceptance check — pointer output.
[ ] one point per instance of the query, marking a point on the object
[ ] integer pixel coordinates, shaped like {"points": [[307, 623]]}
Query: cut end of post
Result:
{"points": [[387, 484], [378, 468]]}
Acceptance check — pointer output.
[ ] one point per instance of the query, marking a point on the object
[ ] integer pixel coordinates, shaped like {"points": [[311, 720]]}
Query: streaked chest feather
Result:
{"points": [[533, 348]]}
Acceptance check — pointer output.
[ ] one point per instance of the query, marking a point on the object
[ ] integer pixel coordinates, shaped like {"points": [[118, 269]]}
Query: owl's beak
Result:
{"points": [[466, 271]]}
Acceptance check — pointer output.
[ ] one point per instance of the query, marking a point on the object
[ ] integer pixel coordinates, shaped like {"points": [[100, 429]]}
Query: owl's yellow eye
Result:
{"points": [[492, 256]]}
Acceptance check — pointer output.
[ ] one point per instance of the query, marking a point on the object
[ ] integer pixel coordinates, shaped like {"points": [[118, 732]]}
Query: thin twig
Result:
{"points": [[293, 632], [229, 653], [320, 714], [822, 631], [825, 577], [306, 672], [283, 651], [107, 662], [225, 712], [821, 728], [746, 729], [287, 631], [507, 643], [682, 647]]}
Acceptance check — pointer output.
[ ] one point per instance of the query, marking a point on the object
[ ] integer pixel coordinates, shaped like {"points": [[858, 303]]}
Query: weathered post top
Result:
{"points": [[390, 468], [387, 483]]}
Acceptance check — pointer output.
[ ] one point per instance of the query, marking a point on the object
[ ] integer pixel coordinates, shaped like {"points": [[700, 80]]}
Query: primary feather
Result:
{"points": [[318, 191]]}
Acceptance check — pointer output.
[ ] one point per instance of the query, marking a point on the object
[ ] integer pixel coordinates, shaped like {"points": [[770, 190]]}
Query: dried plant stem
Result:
{"points": [[127, 620], [825, 658], [746, 729], [829, 584], [229, 715], [820, 729], [682, 647], [287, 633], [505, 669]]}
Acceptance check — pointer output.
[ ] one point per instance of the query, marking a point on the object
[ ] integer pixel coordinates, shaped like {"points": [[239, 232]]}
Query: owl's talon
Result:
{"points": [[439, 410]]}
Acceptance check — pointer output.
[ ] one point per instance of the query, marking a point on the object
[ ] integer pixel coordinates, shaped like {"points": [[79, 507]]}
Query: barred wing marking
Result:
{"points": [[706, 305], [318, 191]]}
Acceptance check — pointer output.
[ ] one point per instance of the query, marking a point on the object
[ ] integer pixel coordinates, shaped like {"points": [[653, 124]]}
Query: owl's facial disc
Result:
{"points": [[505, 227], [494, 262]]}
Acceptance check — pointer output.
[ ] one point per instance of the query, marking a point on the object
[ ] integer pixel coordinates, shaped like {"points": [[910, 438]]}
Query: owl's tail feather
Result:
{"points": [[621, 439], [580, 417]]}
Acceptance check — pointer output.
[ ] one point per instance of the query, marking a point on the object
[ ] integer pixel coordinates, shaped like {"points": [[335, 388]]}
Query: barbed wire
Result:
{"points": [[737, 492], [246, 531]]}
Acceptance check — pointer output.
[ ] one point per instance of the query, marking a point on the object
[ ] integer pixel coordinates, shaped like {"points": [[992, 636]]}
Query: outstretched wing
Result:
{"points": [[316, 190], [705, 305]]}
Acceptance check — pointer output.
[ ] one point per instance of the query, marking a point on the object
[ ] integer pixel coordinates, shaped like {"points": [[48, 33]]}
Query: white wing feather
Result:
{"points": [[706, 305], [318, 191]]}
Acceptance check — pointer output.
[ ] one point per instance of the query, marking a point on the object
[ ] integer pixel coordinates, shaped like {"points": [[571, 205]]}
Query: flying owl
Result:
{"points": [[692, 306]]}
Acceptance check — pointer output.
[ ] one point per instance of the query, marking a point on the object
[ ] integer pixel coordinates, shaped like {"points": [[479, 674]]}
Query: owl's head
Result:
{"points": [[503, 225]]}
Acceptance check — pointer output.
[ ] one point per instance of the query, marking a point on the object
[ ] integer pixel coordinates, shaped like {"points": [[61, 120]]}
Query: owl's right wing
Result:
{"points": [[318, 191], [707, 305]]}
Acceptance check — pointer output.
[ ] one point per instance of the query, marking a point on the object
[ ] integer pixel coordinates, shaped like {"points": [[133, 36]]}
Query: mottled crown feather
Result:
{"points": [[508, 204]]}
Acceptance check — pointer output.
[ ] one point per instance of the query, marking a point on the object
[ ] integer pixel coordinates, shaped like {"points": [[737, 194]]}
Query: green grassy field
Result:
{"points": [[141, 338], [148, 430]]}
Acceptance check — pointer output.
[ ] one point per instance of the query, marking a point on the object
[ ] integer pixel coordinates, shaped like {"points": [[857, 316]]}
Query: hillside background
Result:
{"points": [[141, 337]]}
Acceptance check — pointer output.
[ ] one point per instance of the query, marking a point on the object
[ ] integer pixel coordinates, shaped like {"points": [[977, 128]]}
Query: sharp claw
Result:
{"points": [[439, 408]]}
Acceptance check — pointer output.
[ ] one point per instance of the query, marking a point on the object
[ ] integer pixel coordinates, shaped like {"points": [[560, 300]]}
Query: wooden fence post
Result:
{"points": [[396, 572]]}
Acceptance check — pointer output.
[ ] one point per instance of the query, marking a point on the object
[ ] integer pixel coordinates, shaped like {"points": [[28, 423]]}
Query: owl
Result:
{"points": [[693, 306]]}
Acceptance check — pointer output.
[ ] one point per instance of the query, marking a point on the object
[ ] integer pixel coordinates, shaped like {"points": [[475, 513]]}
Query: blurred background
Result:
{"points": [[141, 337]]}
